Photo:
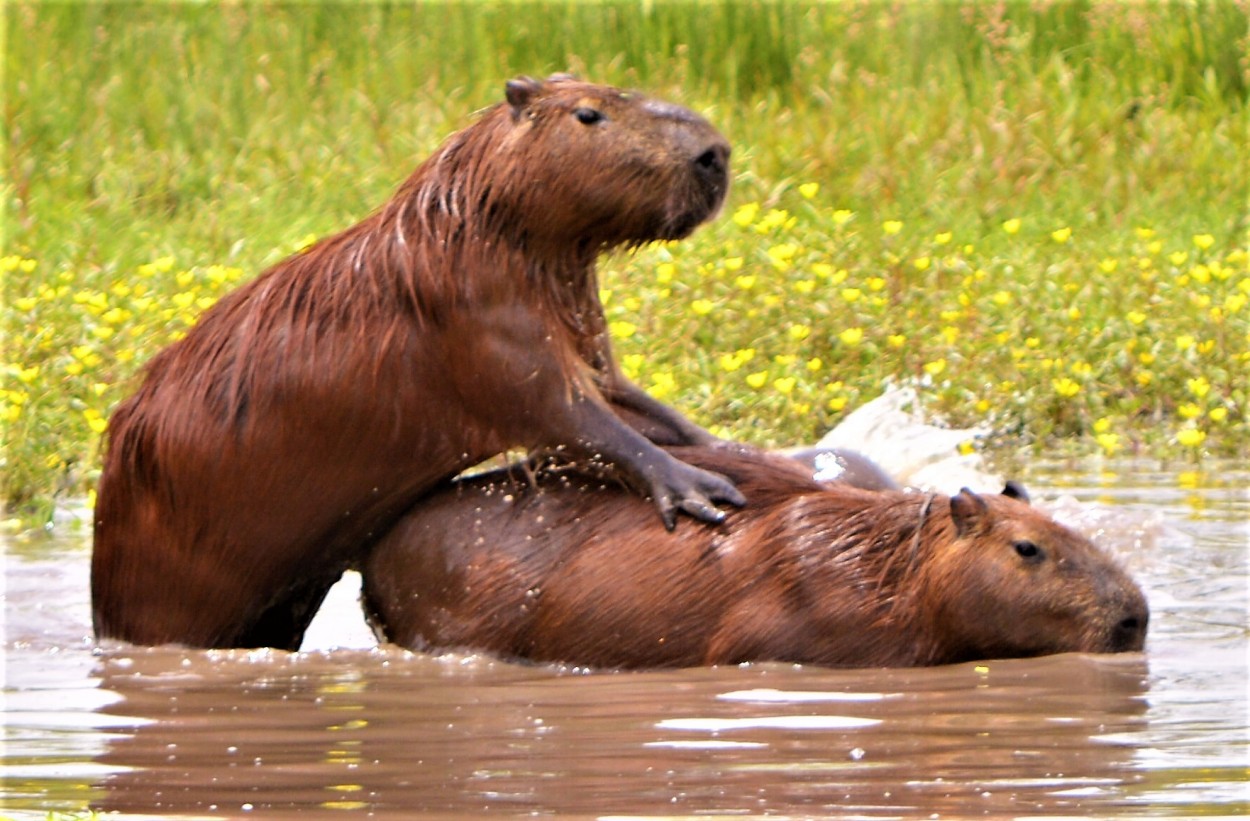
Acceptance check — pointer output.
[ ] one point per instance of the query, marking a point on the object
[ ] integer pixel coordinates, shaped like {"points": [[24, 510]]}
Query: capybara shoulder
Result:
{"points": [[567, 568], [266, 450]]}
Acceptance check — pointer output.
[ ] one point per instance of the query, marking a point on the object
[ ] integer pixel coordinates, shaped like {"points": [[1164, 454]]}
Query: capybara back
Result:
{"points": [[568, 570]]}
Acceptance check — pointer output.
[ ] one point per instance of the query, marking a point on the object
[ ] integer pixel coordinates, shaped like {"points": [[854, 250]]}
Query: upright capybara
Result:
{"points": [[568, 570], [265, 451]]}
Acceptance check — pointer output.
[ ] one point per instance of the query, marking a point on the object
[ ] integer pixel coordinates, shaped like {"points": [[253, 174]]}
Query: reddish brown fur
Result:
{"points": [[265, 451], [573, 571]]}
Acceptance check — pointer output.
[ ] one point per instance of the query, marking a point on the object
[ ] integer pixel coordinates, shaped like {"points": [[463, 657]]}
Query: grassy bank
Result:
{"points": [[1036, 210]]}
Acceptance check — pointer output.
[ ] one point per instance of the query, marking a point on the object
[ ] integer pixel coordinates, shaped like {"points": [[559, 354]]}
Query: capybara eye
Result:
{"points": [[587, 116], [1027, 550]]}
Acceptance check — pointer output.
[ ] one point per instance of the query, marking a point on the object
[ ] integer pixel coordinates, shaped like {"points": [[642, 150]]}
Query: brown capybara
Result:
{"points": [[265, 451], [563, 568]]}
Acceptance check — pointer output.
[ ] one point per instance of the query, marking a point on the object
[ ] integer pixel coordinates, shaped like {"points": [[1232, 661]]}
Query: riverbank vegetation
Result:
{"points": [[1036, 212]]}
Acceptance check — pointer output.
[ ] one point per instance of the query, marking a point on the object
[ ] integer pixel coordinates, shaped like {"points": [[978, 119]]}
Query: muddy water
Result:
{"points": [[345, 729]]}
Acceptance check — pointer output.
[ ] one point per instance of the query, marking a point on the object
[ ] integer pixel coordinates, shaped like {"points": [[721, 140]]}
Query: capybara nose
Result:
{"points": [[1129, 633], [714, 161]]}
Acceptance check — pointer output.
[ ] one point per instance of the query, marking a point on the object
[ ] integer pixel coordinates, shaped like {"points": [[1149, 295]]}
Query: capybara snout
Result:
{"points": [[570, 570]]}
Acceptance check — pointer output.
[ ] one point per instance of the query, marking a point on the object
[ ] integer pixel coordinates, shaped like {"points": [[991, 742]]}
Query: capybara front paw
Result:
{"points": [[695, 492]]}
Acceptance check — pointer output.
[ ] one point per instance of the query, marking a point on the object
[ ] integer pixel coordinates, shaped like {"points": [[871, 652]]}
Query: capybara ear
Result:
{"points": [[519, 92], [968, 510], [1015, 490]]}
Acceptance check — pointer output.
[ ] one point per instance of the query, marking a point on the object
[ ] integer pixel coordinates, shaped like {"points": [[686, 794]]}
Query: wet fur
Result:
{"points": [[570, 571], [265, 451]]}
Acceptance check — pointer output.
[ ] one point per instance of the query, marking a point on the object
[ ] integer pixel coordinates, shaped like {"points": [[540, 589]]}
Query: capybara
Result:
{"points": [[565, 568], [265, 451]]}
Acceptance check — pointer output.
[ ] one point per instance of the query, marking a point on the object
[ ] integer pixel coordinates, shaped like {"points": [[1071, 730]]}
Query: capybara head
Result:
{"points": [[569, 160], [567, 569], [1015, 582]]}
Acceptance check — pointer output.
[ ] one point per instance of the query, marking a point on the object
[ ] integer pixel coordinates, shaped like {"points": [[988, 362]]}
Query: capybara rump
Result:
{"points": [[566, 568], [266, 450]]}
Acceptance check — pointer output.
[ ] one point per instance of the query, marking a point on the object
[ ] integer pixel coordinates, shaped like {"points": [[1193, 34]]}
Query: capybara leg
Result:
{"points": [[284, 623], [655, 420], [560, 408]]}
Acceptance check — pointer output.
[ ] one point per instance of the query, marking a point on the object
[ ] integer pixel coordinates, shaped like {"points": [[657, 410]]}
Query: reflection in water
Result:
{"points": [[166, 732], [228, 732]]}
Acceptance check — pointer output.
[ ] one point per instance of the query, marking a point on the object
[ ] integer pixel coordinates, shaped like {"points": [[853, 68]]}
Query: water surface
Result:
{"points": [[347, 728]]}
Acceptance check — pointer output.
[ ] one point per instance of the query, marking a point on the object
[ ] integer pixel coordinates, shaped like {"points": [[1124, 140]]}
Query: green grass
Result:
{"points": [[155, 154]]}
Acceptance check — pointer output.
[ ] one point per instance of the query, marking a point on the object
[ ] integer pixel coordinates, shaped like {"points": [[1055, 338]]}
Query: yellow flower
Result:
{"points": [[1203, 241], [662, 385], [95, 421], [1109, 442], [1145, 233], [922, 263], [631, 364], [733, 263], [800, 332], [1012, 226], [891, 227], [876, 283], [852, 336], [1102, 425], [805, 286], [621, 329], [746, 282], [1136, 317], [664, 272], [1198, 386], [896, 340], [836, 403], [702, 307], [814, 364], [1065, 387], [1001, 298], [1144, 378], [1178, 258], [842, 216], [950, 334], [1108, 265], [1191, 437], [1062, 235], [305, 242], [745, 214], [784, 385], [1185, 341], [851, 294], [943, 238], [809, 189], [1188, 410], [1218, 414], [935, 367], [756, 380], [25, 303]]}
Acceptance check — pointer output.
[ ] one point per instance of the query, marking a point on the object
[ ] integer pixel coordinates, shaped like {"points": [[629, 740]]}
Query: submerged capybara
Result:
{"points": [[264, 452], [565, 568]]}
